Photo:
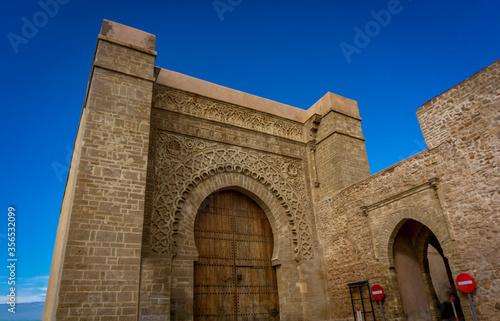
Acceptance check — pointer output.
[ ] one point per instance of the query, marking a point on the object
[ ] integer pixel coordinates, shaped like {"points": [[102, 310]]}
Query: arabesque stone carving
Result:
{"points": [[182, 163], [187, 103]]}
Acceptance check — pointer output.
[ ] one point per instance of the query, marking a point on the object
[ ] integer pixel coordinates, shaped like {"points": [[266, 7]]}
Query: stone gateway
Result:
{"points": [[187, 200]]}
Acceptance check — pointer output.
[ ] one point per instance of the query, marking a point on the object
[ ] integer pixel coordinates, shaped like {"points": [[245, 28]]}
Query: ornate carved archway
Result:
{"points": [[182, 163]]}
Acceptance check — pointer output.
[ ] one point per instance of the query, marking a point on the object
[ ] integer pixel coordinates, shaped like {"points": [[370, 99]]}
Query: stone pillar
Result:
{"points": [[96, 262], [338, 144]]}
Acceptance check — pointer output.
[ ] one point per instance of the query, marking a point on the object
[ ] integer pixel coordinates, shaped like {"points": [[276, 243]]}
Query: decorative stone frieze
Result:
{"points": [[191, 104]]}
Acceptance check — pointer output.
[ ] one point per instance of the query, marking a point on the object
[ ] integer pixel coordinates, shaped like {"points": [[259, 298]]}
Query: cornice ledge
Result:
{"points": [[431, 183]]}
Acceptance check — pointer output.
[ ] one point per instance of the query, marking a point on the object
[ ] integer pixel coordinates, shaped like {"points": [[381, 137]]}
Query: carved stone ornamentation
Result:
{"points": [[182, 163], [191, 104]]}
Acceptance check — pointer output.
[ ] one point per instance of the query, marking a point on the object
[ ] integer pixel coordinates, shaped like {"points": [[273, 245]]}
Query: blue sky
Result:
{"points": [[288, 51]]}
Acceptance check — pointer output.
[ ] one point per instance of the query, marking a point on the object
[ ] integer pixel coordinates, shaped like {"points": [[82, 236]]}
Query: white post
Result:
{"points": [[358, 312]]}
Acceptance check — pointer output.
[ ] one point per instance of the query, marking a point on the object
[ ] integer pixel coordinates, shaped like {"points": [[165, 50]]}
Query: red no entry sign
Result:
{"points": [[377, 292], [465, 283]]}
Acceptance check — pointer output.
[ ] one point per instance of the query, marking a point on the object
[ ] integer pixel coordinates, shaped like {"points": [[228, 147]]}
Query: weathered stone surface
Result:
{"points": [[103, 207], [153, 144], [452, 188]]}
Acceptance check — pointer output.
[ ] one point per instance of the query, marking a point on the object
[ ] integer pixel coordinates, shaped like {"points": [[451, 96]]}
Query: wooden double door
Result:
{"points": [[233, 278]]}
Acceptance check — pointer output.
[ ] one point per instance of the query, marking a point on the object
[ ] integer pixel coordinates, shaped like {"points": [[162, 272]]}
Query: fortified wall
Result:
{"points": [[187, 200], [449, 189]]}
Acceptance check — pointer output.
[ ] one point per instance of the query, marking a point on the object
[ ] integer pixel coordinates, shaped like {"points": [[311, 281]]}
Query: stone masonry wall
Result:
{"points": [[148, 153], [101, 262], [452, 188], [262, 156], [454, 114], [340, 152]]}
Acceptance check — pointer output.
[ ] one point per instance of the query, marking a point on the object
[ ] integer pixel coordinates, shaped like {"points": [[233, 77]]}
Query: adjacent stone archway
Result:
{"points": [[409, 272], [432, 218], [386, 217], [416, 288], [420, 203]]}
